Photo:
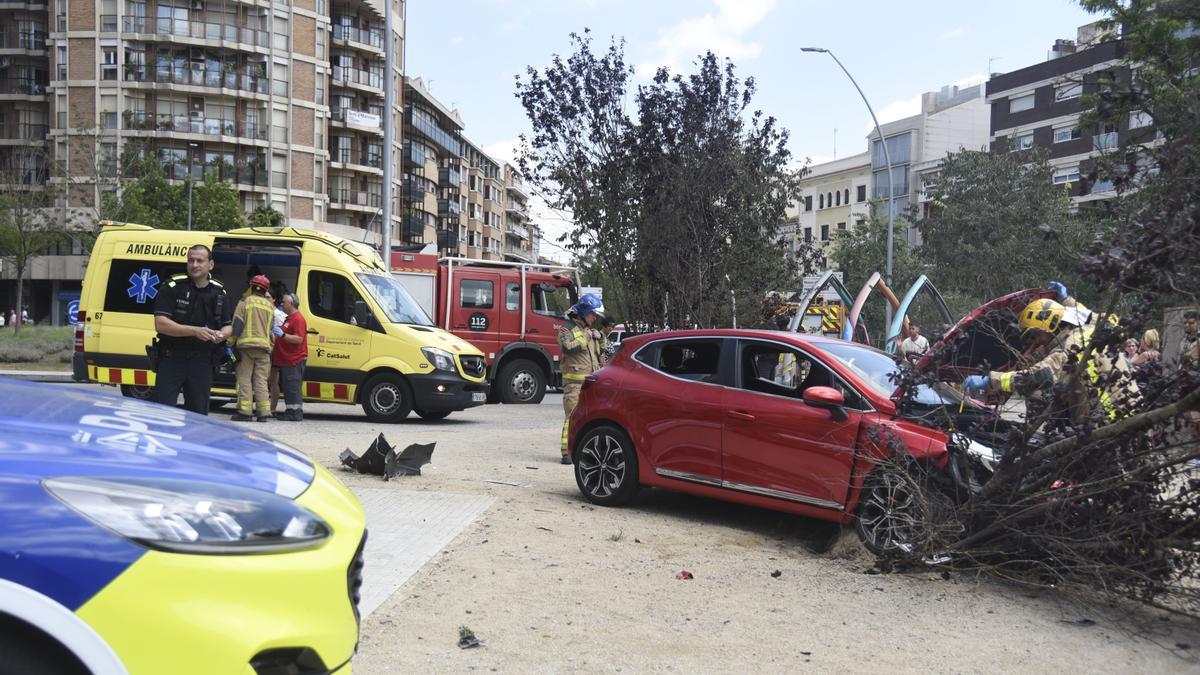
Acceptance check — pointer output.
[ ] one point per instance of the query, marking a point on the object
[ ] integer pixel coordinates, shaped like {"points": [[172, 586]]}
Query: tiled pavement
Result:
{"points": [[406, 529]]}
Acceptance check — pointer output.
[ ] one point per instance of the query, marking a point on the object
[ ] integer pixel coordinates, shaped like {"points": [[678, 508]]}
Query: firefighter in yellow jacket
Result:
{"points": [[582, 354], [1061, 333], [253, 334]]}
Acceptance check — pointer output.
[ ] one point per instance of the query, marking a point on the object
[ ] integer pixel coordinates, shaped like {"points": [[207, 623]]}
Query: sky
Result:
{"points": [[468, 53]]}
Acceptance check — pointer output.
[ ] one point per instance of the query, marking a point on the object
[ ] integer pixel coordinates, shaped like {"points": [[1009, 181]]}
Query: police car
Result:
{"points": [[138, 538]]}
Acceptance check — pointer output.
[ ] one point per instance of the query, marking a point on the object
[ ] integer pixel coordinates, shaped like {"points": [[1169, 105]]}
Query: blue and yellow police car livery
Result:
{"points": [[139, 538]]}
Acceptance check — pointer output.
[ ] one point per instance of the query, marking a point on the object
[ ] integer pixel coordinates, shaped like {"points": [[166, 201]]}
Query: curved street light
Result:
{"points": [[887, 158]]}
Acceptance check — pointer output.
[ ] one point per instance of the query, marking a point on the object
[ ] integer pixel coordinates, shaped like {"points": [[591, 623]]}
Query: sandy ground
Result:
{"points": [[550, 583]]}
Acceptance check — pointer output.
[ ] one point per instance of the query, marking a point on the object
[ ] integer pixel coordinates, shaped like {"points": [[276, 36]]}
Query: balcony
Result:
{"points": [[413, 191], [359, 120], [353, 76], [190, 124], [349, 156], [420, 122], [447, 239], [413, 228], [449, 208], [198, 77], [197, 30], [414, 155], [22, 86], [516, 185], [1105, 141], [23, 39], [351, 198], [24, 132], [517, 211], [518, 231], [449, 176], [371, 38], [522, 254]]}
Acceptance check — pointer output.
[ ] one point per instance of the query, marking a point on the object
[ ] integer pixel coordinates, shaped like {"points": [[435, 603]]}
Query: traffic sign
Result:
{"points": [[73, 312]]}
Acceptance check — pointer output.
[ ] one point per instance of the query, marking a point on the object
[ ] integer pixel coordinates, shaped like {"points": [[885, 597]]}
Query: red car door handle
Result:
{"points": [[740, 415]]}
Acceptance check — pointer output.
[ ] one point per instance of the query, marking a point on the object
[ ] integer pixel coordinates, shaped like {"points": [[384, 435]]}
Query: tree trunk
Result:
{"points": [[20, 298]]}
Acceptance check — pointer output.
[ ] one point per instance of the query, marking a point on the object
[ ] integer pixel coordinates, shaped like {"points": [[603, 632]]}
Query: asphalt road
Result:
{"points": [[550, 583]]}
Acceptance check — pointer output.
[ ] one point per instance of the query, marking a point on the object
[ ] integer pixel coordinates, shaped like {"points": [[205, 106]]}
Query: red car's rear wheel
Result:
{"points": [[606, 466]]}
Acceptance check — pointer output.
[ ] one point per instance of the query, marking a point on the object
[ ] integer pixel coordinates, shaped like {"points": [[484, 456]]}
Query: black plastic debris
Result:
{"points": [[381, 459], [466, 638], [409, 462], [1078, 622], [776, 574]]}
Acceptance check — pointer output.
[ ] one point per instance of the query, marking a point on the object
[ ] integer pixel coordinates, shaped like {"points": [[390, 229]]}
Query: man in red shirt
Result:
{"points": [[289, 355]]}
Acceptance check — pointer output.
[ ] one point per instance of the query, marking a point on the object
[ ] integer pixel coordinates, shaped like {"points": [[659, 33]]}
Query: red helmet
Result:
{"points": [[260, 281]]}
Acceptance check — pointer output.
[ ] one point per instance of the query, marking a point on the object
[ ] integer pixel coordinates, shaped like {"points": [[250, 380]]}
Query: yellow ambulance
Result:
{"points": [[369, 342]]}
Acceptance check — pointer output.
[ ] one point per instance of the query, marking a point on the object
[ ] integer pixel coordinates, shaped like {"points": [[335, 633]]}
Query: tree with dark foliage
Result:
{"points": [[1107, 504], [680, 201]]}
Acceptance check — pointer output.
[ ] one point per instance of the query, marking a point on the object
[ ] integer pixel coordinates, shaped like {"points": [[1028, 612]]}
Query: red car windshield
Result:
{"points": [[880, 371]]}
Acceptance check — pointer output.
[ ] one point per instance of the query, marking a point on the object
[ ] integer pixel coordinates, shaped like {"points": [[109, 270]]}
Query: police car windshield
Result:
{"points": [[395, 301]]}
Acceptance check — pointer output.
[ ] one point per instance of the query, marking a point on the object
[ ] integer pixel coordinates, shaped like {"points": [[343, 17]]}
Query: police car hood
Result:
{"points": [[52, 430]]}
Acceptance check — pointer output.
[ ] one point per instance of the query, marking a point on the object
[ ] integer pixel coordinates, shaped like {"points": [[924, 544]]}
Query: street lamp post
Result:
{"points": [[191, 179], [887, 158]]}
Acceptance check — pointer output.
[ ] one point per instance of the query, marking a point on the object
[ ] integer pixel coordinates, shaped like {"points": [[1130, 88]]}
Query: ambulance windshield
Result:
{"points": [[395, 301]]}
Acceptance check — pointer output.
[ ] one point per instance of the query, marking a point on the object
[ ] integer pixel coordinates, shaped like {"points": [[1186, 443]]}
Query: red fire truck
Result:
{"points": [[510, 311]]}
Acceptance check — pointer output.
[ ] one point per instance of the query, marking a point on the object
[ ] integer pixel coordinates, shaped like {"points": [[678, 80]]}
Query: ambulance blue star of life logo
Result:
{"points": [[143, 285]]}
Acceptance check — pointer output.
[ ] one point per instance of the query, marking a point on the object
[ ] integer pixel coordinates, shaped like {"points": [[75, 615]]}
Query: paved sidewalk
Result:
{"points": [[38, 375]]}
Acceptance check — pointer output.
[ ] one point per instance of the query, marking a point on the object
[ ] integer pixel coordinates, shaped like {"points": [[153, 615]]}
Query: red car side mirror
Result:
{"points": [[829, 398]]}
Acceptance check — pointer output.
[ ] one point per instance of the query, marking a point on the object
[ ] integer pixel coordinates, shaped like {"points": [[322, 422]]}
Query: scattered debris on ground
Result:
{"points": [[381, 459], [776, 574], [466, 638], [684, 575]]}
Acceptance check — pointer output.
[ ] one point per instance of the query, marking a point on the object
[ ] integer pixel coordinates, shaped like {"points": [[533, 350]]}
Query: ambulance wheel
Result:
{"points": [[138, 392], [521, 381], [386, 398]]}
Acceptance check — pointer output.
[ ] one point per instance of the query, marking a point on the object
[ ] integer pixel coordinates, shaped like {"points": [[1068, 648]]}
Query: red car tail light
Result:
{"points": [[80, 316]]}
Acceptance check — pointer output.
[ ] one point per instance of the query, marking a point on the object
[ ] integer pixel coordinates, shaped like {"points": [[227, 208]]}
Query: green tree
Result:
{"points": [[149, 198], [31, 221], [1001, 225], [266, 216], [678, 201]]}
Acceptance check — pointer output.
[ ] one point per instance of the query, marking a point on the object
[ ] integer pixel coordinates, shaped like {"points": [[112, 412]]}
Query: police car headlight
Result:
{"points": [[440, 358], [187, 516]]}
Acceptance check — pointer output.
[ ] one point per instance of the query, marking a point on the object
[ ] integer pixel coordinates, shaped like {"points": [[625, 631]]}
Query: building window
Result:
{"points": [[108, 64], [1069, 174], [1139, 119], [61, 61], [279, 125], [846, 196], [1019, 103], [820, 201], [861, 193], [1064, 134], [279, 40], [279, 83], [1068, 91], [1022, 141], [829, 199], [108, 16], [824, 233], [108, 111], [841, 226], [320, 43], [1106, 139], [808, 234], [838, 199], [279, 171], [808, 203]]}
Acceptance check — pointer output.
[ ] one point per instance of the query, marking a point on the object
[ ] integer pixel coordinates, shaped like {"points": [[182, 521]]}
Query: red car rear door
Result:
{"points": [[773, 443], [674, 396]]}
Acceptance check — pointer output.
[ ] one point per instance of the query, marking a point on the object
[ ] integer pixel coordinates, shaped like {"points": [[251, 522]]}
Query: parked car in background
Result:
{"points": [[139, 538], [806, 424]]}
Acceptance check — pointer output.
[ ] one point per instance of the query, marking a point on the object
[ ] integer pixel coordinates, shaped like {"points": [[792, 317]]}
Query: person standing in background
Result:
{"points": [[289, 358], [253, 328]]}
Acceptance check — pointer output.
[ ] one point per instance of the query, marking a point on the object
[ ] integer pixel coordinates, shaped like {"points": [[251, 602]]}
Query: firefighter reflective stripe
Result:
{"points": [[141, 378], [1006, 382], [785, 370], [1110, 410], [573, 377], [566, 430], [328, 391]]}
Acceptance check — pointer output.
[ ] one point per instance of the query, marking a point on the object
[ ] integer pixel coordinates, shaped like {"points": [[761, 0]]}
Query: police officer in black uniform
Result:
{"points": [[193, 318]]}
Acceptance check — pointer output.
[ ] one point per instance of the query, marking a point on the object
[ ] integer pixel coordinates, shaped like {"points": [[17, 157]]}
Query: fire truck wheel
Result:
{"points": [[521, 381], [387, 398]]}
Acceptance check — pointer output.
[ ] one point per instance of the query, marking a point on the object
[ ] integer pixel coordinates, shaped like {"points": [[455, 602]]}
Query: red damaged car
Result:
{"points": [[789, 421]]}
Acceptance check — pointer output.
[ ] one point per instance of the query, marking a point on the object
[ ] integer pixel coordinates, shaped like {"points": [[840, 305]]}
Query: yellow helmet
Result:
{"points": [[1044, 315]]}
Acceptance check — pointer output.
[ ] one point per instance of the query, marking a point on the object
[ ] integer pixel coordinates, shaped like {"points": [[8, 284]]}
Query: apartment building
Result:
{"points": [[283, 100], [433, 178], [1040, 105], [951, 119], [833, 196], [517, 238]]}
